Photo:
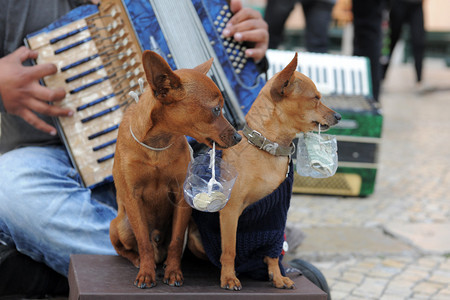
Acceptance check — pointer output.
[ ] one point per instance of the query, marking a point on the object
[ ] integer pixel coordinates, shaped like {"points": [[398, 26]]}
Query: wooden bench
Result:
{"points": [[111, 277]]}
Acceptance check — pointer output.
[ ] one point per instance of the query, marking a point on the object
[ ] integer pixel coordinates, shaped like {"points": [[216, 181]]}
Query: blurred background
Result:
{"points": [[437, 26]]}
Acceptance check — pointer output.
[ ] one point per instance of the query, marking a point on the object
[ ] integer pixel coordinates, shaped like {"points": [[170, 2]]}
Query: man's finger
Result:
{"points": [[250, 24], [243, 15], [46, 94], [23, 53], [256, 53], [257, 35], [49, 110], [34, 121], [40, 71], [235, 6]]}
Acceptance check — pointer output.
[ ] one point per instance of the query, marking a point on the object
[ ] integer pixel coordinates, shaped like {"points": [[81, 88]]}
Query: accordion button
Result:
{"points": [[228, 15], [241, 66], [225, 7], [225, 20], [222, 24], [225, 43], [238, 71], [220, 29], [216, 23], [219, 17], [222, 12], [232, 57]]}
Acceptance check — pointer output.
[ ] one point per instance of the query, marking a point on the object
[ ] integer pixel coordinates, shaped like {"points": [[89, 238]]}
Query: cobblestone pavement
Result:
{"points": [[394, 244]]}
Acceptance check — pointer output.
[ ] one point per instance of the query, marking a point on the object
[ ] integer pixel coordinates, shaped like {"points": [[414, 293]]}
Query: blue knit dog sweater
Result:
{"points": [[260, 231]]}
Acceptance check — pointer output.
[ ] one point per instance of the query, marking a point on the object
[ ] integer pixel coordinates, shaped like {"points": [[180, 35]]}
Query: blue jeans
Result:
{"points": [[46, 213]]}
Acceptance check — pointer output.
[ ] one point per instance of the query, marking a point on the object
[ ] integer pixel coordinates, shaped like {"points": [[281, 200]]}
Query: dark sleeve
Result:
{"points": [[263, 66], [2, 108], [2, 46]]}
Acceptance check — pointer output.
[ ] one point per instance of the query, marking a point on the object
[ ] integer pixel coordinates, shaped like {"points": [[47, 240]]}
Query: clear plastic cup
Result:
{"points": [[196, 192]]}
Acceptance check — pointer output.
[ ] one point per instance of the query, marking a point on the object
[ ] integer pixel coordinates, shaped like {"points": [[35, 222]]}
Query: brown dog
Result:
{"points": [[288, 104], [151, 160]]}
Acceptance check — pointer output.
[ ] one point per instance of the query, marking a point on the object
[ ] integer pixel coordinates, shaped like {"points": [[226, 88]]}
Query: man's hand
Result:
{"points": [[22, 94], [248, 25], [342, 12]]}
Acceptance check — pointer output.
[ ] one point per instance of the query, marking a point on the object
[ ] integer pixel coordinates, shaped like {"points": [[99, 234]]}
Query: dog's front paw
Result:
{"points": [[230, 283], [282, 282], [173, 276], [145, 279]]}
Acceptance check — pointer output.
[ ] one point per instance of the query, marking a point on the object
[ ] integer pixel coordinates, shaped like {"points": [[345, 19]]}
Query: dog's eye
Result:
{"points": [[216, 111]]}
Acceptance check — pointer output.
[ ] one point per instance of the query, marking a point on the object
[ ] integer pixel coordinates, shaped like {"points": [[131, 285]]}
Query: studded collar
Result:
{"points": [[258, 140]]}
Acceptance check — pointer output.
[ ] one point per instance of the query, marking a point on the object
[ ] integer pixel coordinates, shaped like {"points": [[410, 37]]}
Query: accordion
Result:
{"points": [[98, 49]]}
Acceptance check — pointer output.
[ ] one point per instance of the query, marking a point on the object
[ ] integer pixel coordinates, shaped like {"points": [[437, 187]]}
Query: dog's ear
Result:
{"points": [[160, 76], [282, 82], [204, 67]]}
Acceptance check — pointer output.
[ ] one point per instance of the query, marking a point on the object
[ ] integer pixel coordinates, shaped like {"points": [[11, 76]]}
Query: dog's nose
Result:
{"points": [[337, 116], [237, 137]]}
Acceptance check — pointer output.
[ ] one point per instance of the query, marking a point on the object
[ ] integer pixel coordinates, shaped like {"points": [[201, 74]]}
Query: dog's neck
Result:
{"points": [[263, 118], [145, 131], [148, 146]]}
